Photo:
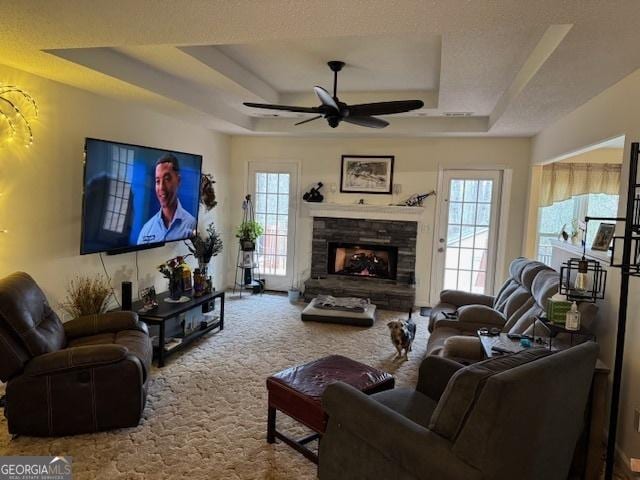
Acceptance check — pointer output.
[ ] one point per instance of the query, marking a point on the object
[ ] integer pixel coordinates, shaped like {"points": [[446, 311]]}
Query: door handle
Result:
{"points": [[441, 240], [441, 249]]}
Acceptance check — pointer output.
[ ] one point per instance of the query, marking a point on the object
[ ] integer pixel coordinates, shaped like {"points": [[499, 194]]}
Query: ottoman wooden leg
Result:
{"points": [[271, 425]]}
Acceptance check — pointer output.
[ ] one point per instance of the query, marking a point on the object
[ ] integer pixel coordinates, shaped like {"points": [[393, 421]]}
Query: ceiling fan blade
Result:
{"points": [[363, 121], [283, 107], [326, 98], [384, 108], [308, 120]]}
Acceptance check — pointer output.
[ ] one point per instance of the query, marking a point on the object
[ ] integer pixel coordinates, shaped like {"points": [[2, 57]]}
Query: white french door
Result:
{"points": [[274, 190], [466, 234]]}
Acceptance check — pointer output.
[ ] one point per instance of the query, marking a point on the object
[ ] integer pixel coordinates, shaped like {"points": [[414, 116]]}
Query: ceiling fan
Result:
{"points": [[335, 111]]}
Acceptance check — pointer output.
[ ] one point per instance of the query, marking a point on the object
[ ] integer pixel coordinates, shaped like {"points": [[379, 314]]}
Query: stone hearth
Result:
{"points": [[386, 294]]}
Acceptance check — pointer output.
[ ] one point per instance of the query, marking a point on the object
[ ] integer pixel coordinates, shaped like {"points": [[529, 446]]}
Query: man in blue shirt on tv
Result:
{"points": [[172, 222]]}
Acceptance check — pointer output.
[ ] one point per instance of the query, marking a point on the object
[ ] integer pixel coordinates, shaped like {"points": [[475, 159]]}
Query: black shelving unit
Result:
{"points": [[630, 267], [167, 313]]}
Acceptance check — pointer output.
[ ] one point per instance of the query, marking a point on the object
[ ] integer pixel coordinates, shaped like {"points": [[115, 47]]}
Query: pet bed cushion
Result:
{"points": [[362, 319]]}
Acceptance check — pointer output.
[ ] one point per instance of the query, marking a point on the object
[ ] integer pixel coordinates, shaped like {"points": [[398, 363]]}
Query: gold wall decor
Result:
{"points": [[17, 111]]}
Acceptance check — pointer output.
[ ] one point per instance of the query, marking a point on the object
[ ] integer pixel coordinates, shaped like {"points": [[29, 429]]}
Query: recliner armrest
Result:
{"points": [[482, 315], [75, 358], [460, 298], [110, 322], [403, 442], [434, 374]]}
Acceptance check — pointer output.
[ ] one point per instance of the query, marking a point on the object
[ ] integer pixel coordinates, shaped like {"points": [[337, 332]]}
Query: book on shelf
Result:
{"points": [[172, 343]]}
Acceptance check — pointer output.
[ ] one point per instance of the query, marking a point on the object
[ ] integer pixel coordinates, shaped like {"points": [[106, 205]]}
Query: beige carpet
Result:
{"points": [[206, 413]]}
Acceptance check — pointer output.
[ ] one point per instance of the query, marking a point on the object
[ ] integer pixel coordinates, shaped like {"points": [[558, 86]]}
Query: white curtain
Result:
{"points": [[561, 181]]}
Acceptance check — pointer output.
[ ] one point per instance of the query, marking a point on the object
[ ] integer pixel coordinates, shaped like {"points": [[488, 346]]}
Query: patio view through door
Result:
{"points": [[274, 187], [466, 235]]}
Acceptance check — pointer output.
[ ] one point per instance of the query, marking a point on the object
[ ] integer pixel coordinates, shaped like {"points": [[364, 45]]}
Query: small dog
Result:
{"points": [[402, 336]]}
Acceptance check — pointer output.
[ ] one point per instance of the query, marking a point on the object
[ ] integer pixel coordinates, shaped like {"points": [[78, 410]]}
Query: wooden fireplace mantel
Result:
{"points": [[366, 211]]}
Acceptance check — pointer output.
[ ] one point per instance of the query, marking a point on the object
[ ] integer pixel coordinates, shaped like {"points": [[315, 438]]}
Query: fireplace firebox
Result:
{"points": [[362, 260]]}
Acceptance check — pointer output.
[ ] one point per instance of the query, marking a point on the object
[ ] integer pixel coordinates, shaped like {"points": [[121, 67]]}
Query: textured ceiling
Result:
{"points": [[515, 66]]}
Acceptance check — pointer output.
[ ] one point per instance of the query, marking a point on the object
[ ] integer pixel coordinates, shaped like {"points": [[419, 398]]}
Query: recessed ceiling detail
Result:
{"points": [[500, 68]]}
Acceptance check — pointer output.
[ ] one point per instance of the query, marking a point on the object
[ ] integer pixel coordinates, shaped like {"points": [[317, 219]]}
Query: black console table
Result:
{"points": [[194, 311]]}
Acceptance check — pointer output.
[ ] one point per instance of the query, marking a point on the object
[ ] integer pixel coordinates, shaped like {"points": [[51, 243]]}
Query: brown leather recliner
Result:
{"points": [[85, 375]]}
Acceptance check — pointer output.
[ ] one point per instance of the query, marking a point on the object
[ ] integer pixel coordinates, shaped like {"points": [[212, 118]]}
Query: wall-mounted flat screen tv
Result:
{"points": [[137, 197]]}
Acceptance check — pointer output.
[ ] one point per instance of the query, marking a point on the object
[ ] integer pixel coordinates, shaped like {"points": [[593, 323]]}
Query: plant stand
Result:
{"points": [[247, 272]]}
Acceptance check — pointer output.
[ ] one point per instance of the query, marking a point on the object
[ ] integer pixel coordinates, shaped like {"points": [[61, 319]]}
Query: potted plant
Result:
{"points": [[205, 248], [248, 232], [87, 296], [172, 271]]}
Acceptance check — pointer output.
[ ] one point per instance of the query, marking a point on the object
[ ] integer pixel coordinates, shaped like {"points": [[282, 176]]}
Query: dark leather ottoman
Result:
{"points": [[297, 392]]}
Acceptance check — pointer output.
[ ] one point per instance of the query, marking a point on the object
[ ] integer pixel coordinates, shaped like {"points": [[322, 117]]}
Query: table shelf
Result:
{"points": [[171, 312]]}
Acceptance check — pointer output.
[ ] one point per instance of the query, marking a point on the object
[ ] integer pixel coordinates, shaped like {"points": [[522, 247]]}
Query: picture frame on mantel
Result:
{"points": [[371, 174]]}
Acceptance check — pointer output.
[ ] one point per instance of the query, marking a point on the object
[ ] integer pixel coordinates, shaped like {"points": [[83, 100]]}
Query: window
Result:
{"points": [[272, 212], [554, 217], [119, 189]]}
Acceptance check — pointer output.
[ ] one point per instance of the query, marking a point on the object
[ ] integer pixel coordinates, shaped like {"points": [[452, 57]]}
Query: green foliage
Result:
{"points": [[249, 231], [205, 248]]}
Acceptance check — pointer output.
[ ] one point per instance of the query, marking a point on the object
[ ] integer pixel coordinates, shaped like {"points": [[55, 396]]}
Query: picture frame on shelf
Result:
{"points": [[372, 174], [603, 237]]}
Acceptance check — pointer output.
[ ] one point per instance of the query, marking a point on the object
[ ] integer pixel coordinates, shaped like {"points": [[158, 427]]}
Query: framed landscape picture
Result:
{"points": [[366, 174], [603, 237]]}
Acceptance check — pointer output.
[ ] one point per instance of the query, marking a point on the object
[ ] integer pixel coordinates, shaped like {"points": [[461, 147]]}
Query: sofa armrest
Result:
{"points": [[110, 322], [482, 315], [460, 298], [75, 358], [463, 348], [434, 374], [401, 441]]}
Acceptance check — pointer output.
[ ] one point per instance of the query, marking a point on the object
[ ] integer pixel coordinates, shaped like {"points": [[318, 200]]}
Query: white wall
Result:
{"points": [[613, 113], [42, 186], [417, 162]]}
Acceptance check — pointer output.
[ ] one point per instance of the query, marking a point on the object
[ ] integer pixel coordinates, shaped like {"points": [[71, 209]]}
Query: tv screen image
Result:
{"points": [[137, 197]]}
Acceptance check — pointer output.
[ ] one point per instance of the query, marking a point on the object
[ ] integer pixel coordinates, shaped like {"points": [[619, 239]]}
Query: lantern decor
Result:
{"points": [[583, 280]]}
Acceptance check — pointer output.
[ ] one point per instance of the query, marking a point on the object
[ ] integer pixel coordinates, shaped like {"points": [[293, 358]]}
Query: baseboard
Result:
{"points": [[624, 464]]}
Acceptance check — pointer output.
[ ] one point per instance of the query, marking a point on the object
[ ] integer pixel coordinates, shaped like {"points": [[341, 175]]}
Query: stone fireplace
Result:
{"points": [[366, 258]]}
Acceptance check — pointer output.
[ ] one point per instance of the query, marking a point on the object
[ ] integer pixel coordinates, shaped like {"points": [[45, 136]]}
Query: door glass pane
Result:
{"points": [[272, 183], [283, 183], [261, 203], [470, 190], [469, 214], [468, 228], [272, 209], [456, 190], [261, 182], [484, 191], [455, 213]]}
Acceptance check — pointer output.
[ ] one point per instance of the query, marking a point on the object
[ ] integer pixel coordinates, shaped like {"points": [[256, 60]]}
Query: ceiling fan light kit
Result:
{"points": [[334, 111]]}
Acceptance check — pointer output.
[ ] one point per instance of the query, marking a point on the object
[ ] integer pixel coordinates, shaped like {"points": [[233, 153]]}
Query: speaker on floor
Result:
{"points": [[126, 295]]}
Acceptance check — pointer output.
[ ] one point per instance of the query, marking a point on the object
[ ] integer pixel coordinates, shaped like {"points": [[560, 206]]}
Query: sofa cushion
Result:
{"points": [[409, 403], [465, 386]]}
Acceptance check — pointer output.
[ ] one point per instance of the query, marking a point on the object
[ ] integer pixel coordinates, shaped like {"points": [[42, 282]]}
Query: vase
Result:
{"points": [[204, 267], [175, 287]]}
